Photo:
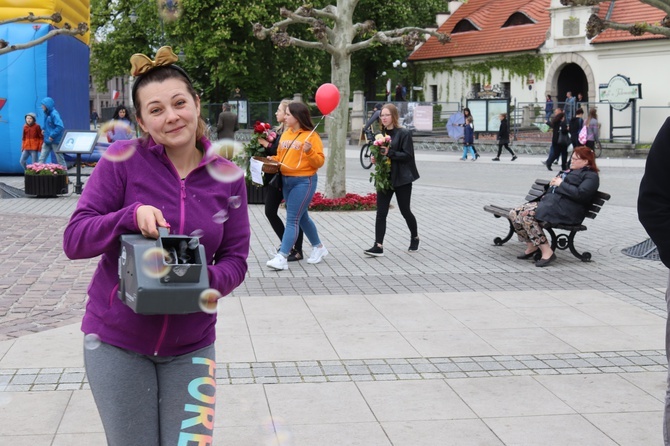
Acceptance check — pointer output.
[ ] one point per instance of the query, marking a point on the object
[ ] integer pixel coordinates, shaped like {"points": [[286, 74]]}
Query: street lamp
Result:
{"points": [[397, 65]]}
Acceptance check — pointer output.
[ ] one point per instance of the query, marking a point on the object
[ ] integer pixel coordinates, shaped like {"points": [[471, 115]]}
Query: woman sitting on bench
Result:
{"points": [[566, 201]]}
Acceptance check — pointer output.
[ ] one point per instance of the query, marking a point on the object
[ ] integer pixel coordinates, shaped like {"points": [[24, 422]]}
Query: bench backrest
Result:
{"points": [[599, 199]]}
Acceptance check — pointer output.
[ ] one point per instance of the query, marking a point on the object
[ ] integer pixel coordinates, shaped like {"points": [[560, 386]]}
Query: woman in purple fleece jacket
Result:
{"points": [[153, 376]]}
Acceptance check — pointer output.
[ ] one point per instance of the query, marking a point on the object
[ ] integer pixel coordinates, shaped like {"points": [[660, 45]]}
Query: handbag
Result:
{"points": [[563, 139], [583, 135]]}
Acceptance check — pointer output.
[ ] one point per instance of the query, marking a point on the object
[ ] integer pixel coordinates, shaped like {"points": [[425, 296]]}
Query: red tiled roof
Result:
{"points": [[489, 16], [628, 11]]}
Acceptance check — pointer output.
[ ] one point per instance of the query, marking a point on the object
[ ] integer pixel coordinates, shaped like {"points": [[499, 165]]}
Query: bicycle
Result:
{"points": [[366, 161]]}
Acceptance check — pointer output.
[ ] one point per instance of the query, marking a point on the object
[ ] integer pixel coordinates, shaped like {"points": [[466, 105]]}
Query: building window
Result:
{"points": [[518, 18], [433, 93], [463, 26]]}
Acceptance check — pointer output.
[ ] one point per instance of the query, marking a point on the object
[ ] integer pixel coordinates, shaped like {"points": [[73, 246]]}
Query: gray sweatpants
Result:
{"points": [[153, 400]]}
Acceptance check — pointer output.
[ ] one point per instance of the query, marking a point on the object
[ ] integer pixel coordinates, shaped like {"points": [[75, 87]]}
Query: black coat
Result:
{"points": [[653, 203], [568, 203], [401, 153], [559, 127], [503, 132]]}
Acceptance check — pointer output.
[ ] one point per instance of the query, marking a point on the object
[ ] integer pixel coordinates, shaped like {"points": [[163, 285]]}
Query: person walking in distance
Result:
{"points": [[53, 132], [227, 124], [32, 140], [468, 139], [403, 173], [503, 138]]}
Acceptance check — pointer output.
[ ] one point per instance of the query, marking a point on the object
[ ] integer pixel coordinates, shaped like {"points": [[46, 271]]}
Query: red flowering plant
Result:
{"points": [[381, 176], [45, 169], [350, 202], [253, 147]]}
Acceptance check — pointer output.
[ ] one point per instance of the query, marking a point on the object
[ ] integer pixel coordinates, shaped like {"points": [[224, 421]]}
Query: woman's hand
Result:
{"points": [[556, 181], [372, 159], [264, 142], [384, 151], [307, 146], [149, 219]]}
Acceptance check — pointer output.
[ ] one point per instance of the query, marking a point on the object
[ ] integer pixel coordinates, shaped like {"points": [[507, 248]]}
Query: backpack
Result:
{"points": [[583, 135]]}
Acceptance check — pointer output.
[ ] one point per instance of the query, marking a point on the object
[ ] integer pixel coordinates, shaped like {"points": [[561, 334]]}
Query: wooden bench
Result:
{"points": [[560, 241]]}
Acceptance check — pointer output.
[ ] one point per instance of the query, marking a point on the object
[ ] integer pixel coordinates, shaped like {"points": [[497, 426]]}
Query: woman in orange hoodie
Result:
{"points": [[300, 154], [32, 140]]}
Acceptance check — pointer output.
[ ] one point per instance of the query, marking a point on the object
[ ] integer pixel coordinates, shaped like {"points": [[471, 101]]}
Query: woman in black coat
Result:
{"points": [[503, 137], [566, 201], [560, 139], [403, 174]]}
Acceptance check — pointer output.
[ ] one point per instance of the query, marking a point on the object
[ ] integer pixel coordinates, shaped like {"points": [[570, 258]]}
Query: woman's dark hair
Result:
{"points": [[549, 97], [588, 155], [558, 117], [301, 113], [161, 74], [118, 109], [467, 112]]}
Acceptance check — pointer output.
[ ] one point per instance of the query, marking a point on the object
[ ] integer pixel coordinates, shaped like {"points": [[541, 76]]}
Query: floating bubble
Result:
{"points": [[224, 171], [276, 432], [208, 300], [225, 148], [154, 262], [169, 10], [235, 201], [119, 152], [193, 243], [91, 341], [197, 233], [220, 217]]}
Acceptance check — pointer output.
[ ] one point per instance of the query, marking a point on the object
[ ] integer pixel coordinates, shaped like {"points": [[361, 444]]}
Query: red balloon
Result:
{"points": [[327, 98]]}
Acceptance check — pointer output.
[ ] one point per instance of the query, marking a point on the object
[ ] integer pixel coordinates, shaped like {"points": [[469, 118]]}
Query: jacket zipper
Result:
{"points": [[182, 211]]}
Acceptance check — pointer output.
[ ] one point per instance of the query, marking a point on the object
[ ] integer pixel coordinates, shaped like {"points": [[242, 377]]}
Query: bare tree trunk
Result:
{"points": [[337, 134]]}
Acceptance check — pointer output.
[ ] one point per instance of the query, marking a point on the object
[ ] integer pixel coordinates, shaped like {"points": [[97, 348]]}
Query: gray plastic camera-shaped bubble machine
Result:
{"points": [[162, 276]]}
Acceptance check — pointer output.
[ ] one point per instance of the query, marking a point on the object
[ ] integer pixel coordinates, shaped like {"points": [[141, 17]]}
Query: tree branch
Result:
{"points": [[663, 5], [329, 12], [410, 37], [81, 29], [56, 17], [596, 25]]}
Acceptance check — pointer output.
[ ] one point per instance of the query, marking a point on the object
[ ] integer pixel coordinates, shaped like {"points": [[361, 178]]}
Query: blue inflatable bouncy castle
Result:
{"points": [[57, 68]]}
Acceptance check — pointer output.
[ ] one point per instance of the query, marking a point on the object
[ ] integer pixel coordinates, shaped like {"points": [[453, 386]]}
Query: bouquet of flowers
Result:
{"points": [[253, 147], [381, 177], [45, 169]]}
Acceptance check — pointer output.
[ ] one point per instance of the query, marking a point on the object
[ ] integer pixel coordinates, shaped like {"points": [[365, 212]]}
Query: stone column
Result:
{"points": [[357, 117]]}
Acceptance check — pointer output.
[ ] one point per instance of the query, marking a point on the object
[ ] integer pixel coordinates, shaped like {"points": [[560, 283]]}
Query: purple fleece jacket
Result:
{"points": [[106, 210]]}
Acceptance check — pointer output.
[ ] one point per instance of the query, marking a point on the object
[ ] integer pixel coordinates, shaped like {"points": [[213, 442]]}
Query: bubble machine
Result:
{"points": [[162, 276]]}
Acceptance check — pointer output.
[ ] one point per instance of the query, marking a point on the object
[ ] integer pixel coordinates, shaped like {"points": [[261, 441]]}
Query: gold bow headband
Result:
{"points": [[140, 63]]}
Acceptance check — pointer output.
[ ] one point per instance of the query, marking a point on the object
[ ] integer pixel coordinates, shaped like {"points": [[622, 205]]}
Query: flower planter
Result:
{"points": [[255, 194], [45, 185]]}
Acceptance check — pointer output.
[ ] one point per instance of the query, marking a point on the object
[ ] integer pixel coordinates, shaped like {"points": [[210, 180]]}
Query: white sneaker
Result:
{"points": [[317, 254], [279, 262]]}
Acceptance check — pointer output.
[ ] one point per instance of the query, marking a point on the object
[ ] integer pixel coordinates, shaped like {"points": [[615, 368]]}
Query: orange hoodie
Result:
{"points": [[32, 137], [297, 162]]}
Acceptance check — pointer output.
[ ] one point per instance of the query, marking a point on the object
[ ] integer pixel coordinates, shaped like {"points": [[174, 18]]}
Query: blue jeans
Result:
{"points": [[24, 158], [298, 193], [49, 147], [468, 149]]}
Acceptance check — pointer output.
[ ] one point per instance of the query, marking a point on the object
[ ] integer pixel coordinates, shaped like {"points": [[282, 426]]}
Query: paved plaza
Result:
{"points": [[457, 344]]}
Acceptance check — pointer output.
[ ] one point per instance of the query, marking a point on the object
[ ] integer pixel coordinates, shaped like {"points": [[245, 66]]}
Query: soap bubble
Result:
{"points": [[169, 10], [225, 148], [193, 243], [208, 300], [154, 262], [218, 165], [220, 217], [235, 201], [197, 233], [118, 152], [91, 341]]}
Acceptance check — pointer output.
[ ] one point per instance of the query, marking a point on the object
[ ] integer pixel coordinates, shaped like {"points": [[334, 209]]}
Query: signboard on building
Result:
{"points": [[619, 92]]}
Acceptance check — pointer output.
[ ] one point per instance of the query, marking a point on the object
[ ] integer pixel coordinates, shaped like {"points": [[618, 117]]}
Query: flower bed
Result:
{"points": [[350, 202]]}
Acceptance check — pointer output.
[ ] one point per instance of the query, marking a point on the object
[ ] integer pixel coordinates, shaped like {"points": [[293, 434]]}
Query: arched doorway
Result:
{"points": [[572, 78]]}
